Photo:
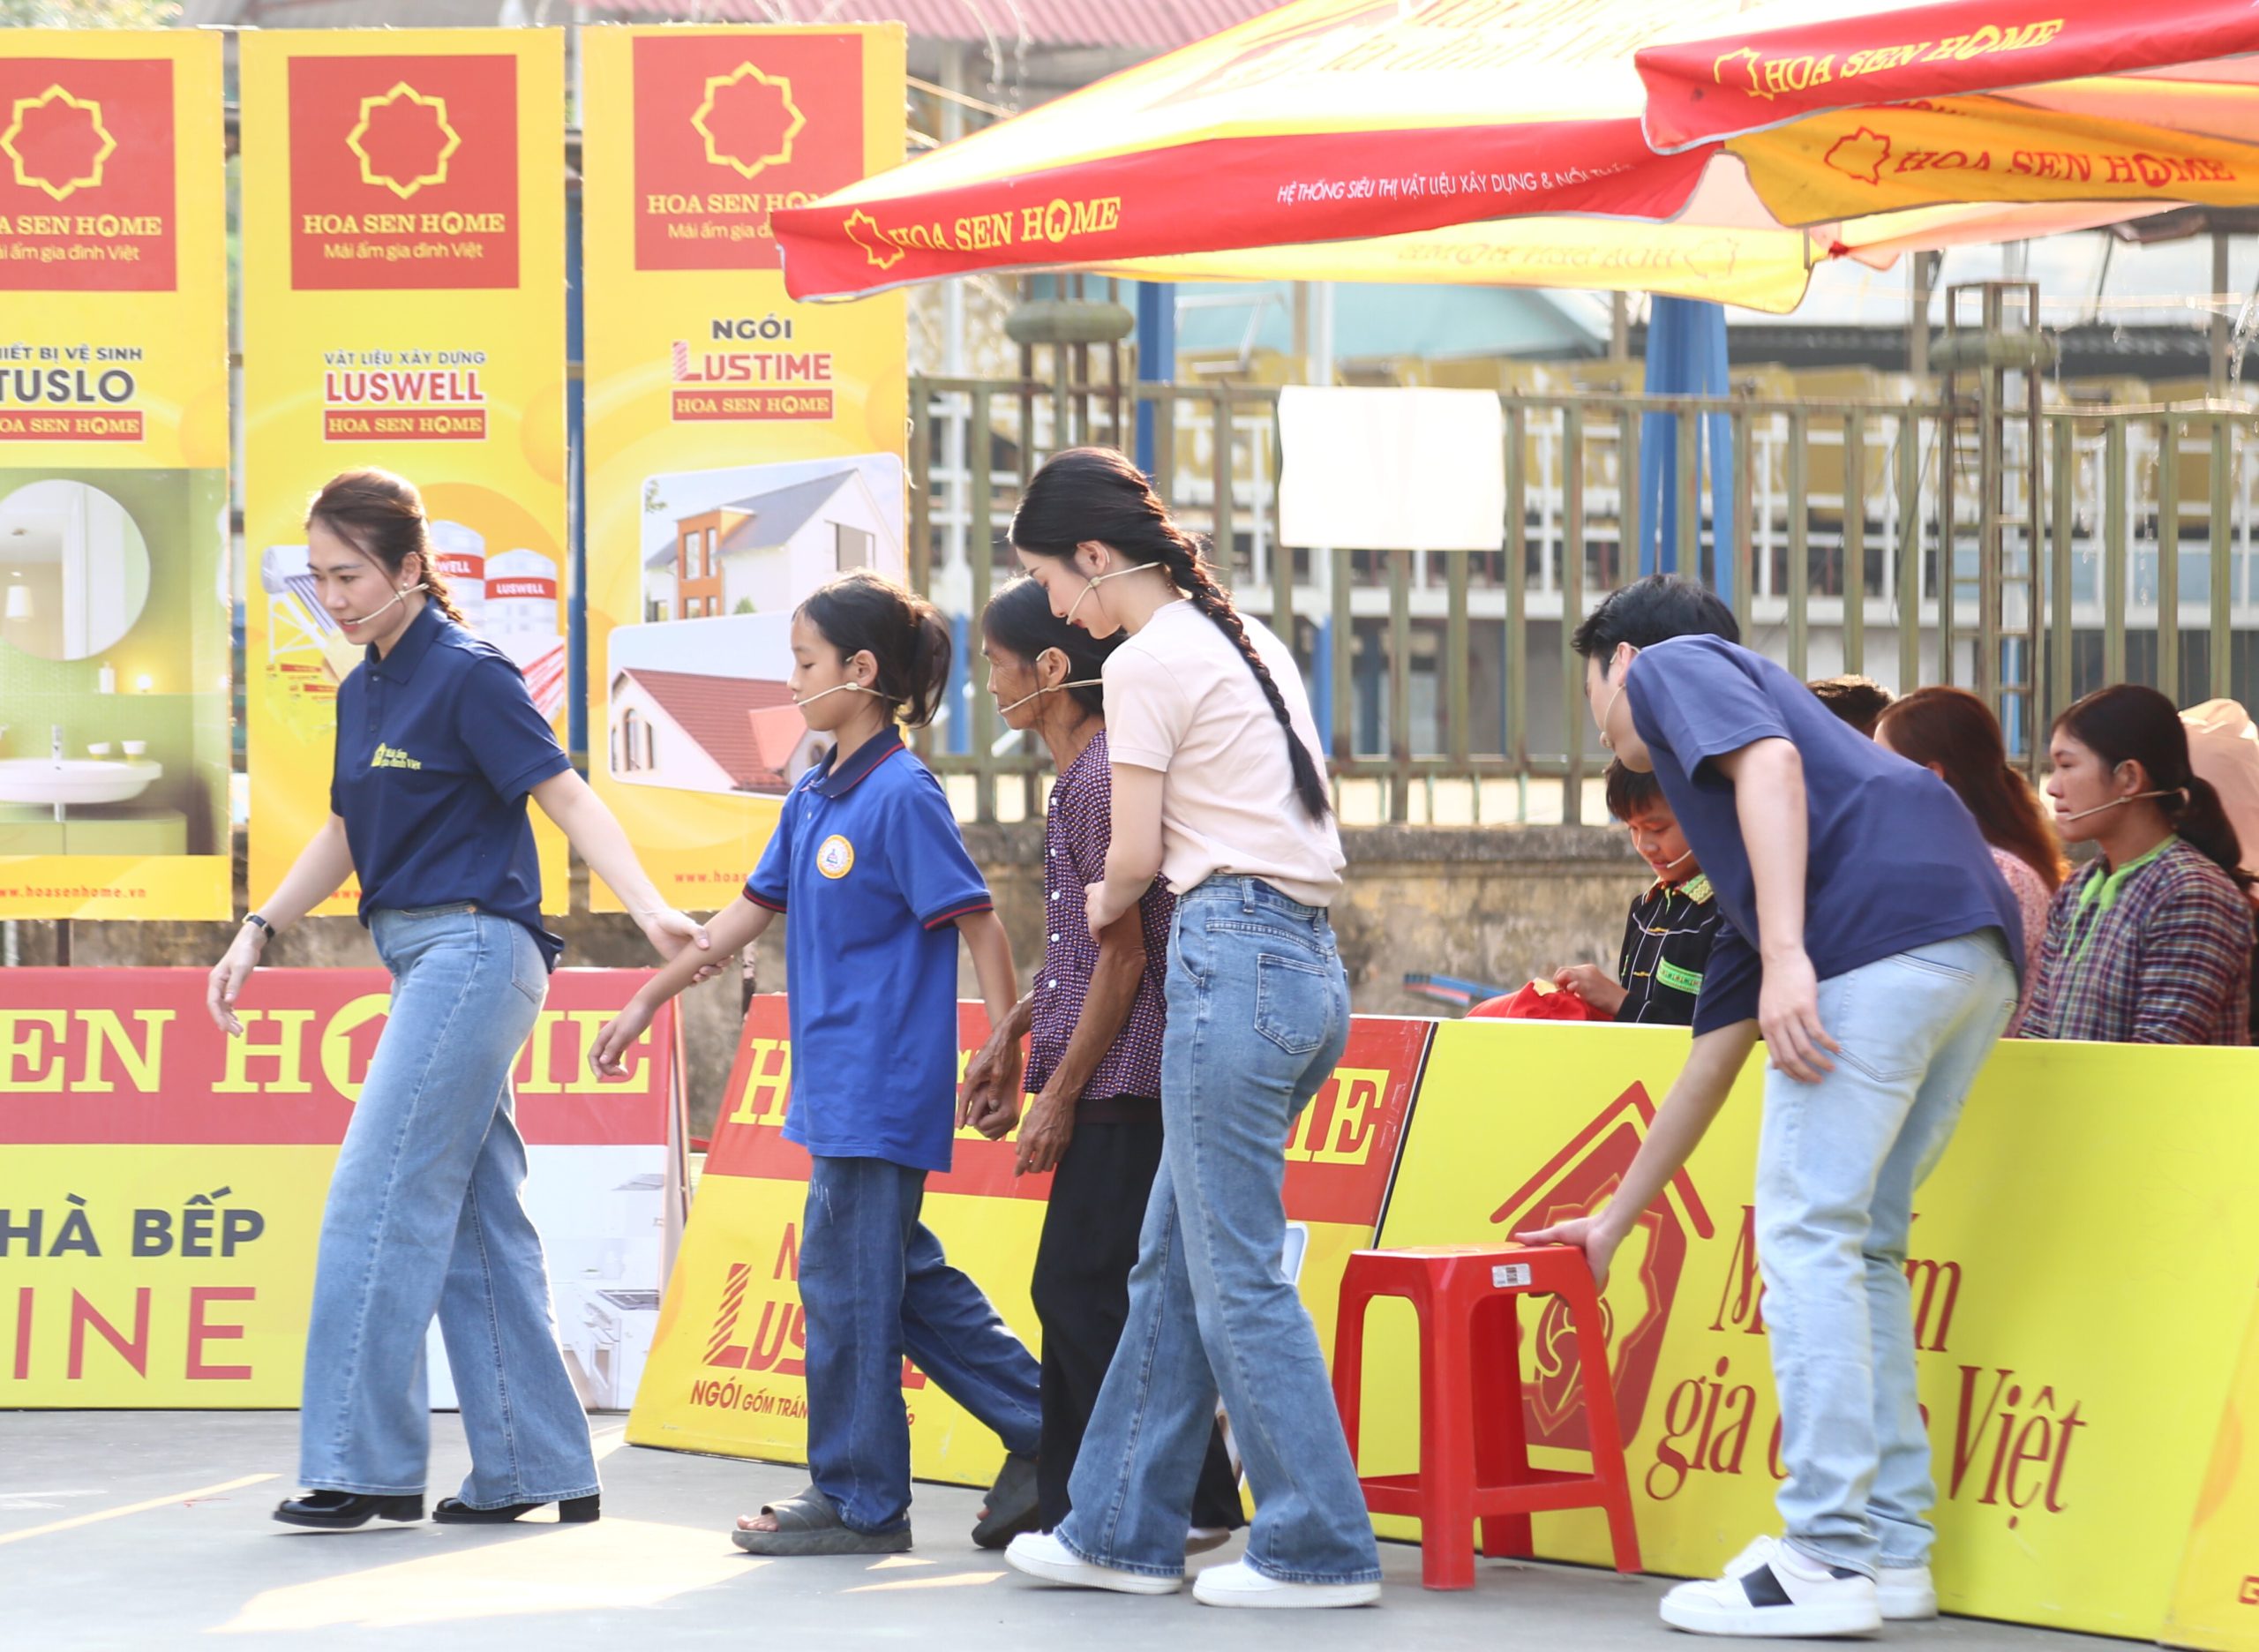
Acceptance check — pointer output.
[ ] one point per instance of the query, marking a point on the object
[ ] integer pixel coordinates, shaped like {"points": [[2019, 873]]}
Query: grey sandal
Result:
{"points": [[808, 1523]]}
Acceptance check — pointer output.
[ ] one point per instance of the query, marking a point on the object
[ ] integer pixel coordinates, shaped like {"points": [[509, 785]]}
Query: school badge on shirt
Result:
{"points": [[835, 857]]}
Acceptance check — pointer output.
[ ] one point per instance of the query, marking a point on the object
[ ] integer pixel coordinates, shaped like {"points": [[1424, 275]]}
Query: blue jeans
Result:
{"points": [[423, 1217], [875, 1285], [1258, 1015], [1837, 1164]]}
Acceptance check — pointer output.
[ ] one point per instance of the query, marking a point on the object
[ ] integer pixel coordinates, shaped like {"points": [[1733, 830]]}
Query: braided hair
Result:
{"points": [[381, 516], [1094, 493]]}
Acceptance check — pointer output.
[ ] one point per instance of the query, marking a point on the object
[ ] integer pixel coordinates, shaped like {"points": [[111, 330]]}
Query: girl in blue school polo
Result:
{"points": [[438, 748], [867, 859]]}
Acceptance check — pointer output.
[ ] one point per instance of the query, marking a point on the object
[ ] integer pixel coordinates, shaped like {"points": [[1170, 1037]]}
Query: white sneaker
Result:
{"points": [[1240, 1584], [1041, 1555], [1769, 1589], [1906, 1594]]}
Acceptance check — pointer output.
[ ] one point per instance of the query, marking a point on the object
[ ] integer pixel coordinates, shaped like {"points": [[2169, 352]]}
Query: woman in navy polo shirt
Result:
{"points": [[1094, 1022], [868, 859], [1216, 785], [439, 747]]}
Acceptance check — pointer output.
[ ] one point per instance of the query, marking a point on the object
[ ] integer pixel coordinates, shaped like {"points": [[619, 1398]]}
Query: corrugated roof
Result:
{"points": [[780, 513], [776, 516], [716, 712], [1155, 25]]}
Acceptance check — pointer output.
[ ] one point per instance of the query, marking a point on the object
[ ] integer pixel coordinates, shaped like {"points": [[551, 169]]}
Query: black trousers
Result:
{"points": [[1082, 1296]]}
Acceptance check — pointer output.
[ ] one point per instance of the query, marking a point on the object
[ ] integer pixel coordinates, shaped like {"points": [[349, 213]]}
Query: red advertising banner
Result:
{"points": [[86, 175], [770, 125], [403, 172]]}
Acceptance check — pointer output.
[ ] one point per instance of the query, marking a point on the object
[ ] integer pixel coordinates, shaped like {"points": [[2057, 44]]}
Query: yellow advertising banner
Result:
{"points": [[1854, 162], [741, 448], [115, 680], [2082, 1267], [726, 1372], [403, 232], [161, 1185], [2216, 1606]]}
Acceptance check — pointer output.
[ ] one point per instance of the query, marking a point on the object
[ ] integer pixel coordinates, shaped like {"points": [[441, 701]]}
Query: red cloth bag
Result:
{"points": [[1539, 1001]]}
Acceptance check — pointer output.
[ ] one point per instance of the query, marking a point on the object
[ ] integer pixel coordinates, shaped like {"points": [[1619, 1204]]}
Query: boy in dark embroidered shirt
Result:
{"points": [[1668, 934]]}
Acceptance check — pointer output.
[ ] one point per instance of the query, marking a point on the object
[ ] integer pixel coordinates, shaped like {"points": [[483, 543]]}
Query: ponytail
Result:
{"points": [[1094, 493], [864, 611], [2203, 824], [381, 516]]}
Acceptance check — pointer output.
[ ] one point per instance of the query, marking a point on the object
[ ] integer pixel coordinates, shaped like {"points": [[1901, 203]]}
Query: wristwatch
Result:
{"points": [[254, 917]]}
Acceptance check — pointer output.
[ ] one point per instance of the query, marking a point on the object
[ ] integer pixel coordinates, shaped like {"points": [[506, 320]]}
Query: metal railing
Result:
{"points": [[1452, 672]]}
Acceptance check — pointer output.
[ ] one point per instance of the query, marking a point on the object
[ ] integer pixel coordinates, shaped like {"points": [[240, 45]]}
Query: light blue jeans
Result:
{"points": [[1258, 1015], [423, 1217], [1837, 1164]]}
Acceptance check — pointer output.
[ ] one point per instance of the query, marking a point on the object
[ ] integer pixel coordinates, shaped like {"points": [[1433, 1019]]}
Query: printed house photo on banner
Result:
{"points": [[115, 737], [702, 705], [699, 692]]}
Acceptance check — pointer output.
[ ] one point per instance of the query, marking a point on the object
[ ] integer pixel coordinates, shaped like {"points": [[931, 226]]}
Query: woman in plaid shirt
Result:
{"points": [[2150, 943]]}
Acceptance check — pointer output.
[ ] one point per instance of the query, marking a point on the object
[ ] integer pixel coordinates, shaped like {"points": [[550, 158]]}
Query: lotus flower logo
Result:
{"points": [[1860, 156], [403, 141], [863, 230], [748, 120], [57, 143], [1746, 58]]}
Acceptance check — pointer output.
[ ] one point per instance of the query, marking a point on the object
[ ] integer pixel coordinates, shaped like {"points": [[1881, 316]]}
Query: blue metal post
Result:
{"points": [[1156, 356], [576, 647]]}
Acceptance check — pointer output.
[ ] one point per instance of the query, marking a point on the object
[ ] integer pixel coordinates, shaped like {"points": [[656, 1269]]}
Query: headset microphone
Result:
{"points": [[400, 596], [840, 688], [1086, 682], [2134, 796], [1667, 865]]}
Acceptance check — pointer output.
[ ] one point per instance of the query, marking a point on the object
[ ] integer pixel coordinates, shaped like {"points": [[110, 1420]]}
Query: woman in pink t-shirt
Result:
{"points": [[1955, 735]]}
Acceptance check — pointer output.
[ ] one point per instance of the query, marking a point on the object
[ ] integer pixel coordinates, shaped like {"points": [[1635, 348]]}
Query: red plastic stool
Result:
{"points": [[1473, 1448]]}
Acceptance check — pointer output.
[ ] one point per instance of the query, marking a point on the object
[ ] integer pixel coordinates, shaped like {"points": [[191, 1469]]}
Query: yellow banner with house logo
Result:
{"points": [[741, 448], [728, 1369], [2081, 1270], [403, 232], [115, 741]]}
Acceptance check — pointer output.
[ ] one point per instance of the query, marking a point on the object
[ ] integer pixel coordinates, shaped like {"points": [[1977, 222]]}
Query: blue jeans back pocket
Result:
{"points": [[1293, 1002]]}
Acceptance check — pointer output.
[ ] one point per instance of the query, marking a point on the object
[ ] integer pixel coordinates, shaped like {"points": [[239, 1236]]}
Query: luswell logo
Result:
{"points": [[393, 757], [1636, 1307]]}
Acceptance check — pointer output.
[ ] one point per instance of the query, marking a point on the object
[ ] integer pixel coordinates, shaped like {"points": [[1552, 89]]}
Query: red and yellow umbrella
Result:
{"points": [[1691, 147]]}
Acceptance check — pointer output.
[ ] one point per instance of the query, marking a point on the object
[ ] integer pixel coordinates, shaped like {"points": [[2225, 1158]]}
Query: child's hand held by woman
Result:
{"points": [[608, 1055]]}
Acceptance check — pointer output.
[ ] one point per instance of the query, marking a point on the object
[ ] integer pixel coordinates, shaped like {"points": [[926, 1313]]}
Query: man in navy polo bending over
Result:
{"points": [[1876, 1018]]}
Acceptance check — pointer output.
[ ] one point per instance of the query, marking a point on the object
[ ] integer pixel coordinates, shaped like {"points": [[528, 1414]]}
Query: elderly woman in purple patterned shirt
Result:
{"points": [[1093, 1023]]}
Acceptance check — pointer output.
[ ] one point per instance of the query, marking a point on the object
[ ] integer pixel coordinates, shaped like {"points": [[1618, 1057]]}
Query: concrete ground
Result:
{"points": [[125, 1530]]}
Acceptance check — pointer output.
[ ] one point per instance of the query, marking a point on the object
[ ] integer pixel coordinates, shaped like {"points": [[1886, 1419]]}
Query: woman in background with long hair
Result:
{"points": [[1955, 735]]}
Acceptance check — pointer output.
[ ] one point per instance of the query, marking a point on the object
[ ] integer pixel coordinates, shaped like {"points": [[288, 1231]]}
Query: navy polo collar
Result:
{"points": [[414, 644], [869, 756]]}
